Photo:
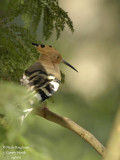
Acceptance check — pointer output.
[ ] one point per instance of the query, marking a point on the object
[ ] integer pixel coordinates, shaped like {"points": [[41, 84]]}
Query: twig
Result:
{"points": [[67, 123], [113, 149]]}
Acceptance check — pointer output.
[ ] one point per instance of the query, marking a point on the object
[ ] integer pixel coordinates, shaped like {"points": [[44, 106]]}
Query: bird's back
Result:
{"points": [[36, 79]]}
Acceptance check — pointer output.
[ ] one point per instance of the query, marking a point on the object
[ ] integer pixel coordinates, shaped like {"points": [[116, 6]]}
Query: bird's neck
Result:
{"points": [[50, 67]]}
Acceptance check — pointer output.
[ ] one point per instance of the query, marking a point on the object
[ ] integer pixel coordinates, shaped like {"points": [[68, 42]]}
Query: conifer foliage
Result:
{"points": [[19, 22]]}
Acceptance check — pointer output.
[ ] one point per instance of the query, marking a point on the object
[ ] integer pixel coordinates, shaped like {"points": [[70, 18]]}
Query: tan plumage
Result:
{"points": [[44, 76], [50, 58]]}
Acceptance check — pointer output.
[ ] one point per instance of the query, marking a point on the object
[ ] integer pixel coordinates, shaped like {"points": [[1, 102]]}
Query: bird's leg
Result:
{"points": [[44, 108], [44, 104]]}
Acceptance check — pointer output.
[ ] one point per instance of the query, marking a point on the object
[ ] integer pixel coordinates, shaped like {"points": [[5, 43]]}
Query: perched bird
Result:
{"points": [[44, 76]]}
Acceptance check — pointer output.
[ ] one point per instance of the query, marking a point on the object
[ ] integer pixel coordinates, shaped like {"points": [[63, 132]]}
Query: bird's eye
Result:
{"points": [[42, 45], [57, 57]]}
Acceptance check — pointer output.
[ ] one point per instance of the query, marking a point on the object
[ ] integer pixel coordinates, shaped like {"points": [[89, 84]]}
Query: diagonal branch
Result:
{"points": [[67, 123], [113, 148]]}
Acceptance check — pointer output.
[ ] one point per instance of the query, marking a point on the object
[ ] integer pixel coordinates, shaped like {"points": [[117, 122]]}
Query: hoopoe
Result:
{"points": [[44, 76]]}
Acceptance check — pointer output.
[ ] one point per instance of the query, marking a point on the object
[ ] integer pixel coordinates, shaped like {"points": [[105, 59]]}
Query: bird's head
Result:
{"points": [[51, 54]]}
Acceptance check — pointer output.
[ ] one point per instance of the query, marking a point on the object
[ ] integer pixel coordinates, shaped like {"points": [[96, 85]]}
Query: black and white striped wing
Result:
{"points": [[37, 79]]}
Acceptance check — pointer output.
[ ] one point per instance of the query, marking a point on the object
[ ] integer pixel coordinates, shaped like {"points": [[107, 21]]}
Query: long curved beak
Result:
{"points": [[69, 65]]}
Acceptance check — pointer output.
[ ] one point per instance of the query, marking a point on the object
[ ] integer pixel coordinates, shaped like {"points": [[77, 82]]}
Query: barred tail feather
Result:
{"points": [[25, 114]]}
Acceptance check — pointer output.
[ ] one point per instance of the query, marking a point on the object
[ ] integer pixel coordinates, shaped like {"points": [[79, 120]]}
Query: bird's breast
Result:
{"points": [[52, 69]]}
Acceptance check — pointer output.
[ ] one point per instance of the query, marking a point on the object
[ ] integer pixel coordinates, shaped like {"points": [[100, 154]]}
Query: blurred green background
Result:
{"points": [[90, 97]]}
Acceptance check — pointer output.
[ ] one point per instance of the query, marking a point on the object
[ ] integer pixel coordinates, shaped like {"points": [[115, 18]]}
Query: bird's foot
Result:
{"points": [[44, 105]]}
